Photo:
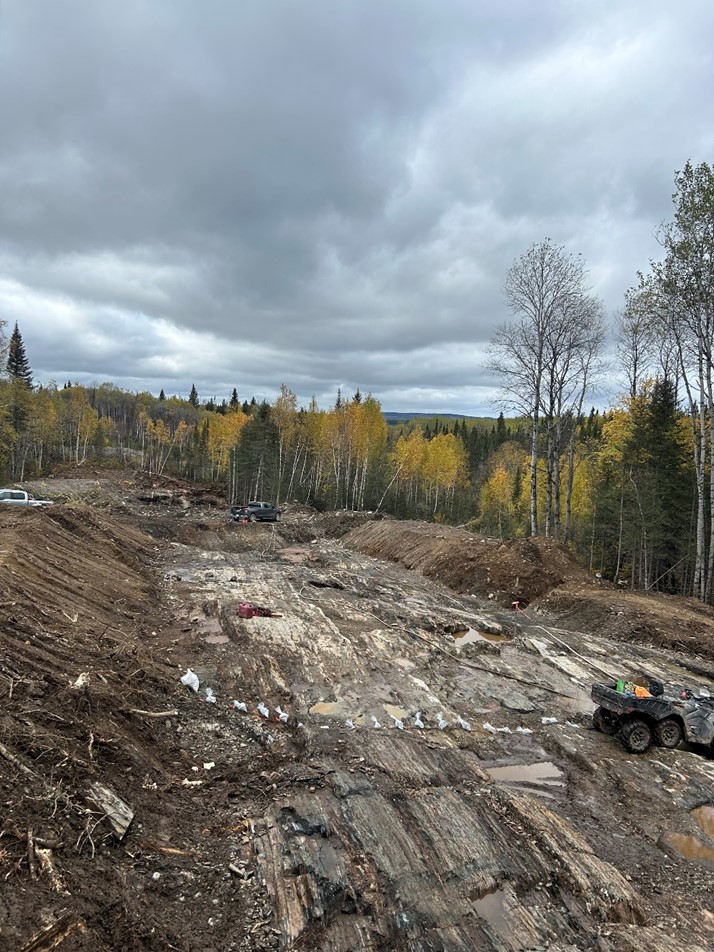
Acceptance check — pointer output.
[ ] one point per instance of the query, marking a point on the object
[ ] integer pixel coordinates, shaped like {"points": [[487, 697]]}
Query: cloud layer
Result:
{"points": [[326, 194]]}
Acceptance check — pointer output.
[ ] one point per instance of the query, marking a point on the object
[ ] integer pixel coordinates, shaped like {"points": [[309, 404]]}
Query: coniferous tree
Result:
{"points": [[18, 366], [193, 396], [234, 404], [162, 395], [501, 429]]}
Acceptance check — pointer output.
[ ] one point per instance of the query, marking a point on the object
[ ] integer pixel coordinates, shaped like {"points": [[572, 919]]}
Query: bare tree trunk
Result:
{"points": [[534, 473], [549, 478], [556, 476], [619, 534]]}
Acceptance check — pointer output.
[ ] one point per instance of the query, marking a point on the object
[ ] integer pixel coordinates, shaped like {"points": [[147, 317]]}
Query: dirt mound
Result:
{"points": [[523, 569], [76, 611], [337, 524], [644, 618]]}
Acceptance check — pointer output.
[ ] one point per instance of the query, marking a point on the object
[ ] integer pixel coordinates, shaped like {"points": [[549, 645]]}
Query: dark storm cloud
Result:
{"points": [[326, 194]]}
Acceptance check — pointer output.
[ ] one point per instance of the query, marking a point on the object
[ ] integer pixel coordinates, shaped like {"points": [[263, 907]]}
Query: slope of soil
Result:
{"points": [[504, 571]]}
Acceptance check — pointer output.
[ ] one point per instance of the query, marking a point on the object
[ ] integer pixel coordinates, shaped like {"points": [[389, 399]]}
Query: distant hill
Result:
{"points": [[392, 417]]}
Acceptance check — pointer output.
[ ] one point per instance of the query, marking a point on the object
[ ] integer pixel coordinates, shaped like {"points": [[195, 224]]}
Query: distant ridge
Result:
{"points": [[392, 416]]}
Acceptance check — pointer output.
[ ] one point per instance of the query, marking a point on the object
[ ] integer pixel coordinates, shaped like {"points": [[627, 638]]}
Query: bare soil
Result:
{"points": [[321, 830]]}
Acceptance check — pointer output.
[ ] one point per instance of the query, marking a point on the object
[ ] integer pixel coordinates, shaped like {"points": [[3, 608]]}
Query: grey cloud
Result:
{"points": [[326, 194]]}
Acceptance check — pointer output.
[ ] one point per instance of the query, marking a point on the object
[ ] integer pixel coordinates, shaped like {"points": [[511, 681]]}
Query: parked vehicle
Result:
{"points": [[256, 512], [18, 497], [665, 718]]}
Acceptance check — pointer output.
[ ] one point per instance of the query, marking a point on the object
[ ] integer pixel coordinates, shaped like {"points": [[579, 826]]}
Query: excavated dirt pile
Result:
{"points": [[523, 569], [383, 763]]}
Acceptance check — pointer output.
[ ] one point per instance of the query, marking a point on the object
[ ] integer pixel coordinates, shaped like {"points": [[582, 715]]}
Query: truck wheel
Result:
{"points": [[252, 517], [605, 721], [277, 517], [636, 735], [668, 733]]}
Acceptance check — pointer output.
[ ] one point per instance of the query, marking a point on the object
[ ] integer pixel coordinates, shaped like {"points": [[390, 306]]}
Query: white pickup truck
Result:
{"points": [[18, 497]]}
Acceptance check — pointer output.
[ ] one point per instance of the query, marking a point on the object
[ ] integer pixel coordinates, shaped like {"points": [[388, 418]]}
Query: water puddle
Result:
{"points": [[704, 818], [493, 909], [469, 636], [209, 625], [531, 777], [295, 555], [689, 847], [330, 709], [684, 675]]}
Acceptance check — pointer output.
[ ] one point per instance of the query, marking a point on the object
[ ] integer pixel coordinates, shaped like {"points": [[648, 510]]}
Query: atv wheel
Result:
{"points": [[636, 735], [668, 733], [605, 721], [252, 517]]}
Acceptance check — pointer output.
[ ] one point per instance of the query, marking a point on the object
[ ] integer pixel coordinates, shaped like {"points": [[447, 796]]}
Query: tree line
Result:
{"points": [[630, 490], [646, 484]]}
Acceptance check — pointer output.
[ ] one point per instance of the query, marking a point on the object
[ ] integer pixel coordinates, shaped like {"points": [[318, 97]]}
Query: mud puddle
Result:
{"points": [[534, 778], [332, 709], [470, 636], [690, 846], [704, 818], [346, 709], [296, 555], [492, 908]]}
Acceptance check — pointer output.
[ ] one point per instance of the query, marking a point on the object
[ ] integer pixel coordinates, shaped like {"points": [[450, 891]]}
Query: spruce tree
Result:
{"points": [[162, 395], [501, 429], [193, 396], [18, 366], [234, 400]]}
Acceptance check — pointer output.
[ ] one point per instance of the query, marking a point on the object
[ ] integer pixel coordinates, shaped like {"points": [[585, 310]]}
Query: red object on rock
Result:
{"points": [[246, 610]]}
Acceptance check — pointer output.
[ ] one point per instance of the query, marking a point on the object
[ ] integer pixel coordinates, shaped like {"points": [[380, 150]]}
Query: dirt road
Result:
{"points": [[426, 778]]}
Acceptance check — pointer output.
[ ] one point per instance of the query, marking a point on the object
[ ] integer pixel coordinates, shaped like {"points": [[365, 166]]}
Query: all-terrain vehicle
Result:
{"points": [[666, 718]]}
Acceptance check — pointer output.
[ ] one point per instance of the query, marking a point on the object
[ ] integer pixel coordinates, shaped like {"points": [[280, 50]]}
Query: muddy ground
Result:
{"points": [[139, 814]]}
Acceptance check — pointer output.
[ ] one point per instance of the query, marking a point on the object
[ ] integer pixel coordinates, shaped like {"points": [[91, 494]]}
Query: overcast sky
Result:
{"points": [[327, 193]]}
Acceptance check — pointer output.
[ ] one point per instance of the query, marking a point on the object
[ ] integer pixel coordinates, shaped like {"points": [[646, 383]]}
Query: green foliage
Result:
{"points": [[644, 492]]}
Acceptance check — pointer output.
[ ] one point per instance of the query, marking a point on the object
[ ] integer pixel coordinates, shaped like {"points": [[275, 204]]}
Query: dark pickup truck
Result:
{"points": [[666, 718], [256, 512]]}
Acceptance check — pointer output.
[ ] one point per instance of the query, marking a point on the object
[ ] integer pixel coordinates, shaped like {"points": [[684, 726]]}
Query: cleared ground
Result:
{"points": [[498, 832]]}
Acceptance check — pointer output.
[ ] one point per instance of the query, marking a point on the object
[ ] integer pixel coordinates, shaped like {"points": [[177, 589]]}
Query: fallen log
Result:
{"points": [[47, 865], [115, 809]]}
